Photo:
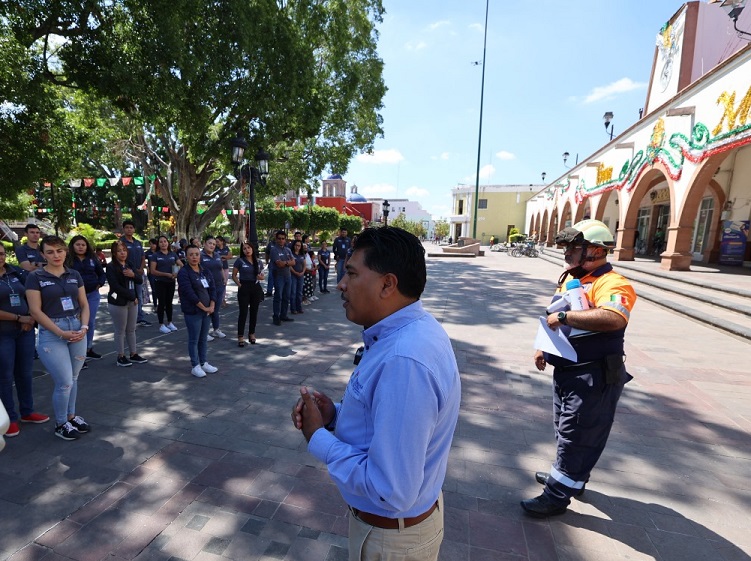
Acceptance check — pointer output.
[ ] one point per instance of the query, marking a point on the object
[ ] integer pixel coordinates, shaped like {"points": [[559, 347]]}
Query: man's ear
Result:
{"points": [[390, 284]]}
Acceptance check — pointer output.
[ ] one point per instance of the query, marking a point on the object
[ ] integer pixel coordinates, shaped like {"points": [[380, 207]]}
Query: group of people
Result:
{"points": [[405, 374], [294, 267]]}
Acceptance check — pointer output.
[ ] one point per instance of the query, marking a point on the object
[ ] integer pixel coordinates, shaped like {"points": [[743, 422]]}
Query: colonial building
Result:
{"points": [[499, 209], [685, 166]]}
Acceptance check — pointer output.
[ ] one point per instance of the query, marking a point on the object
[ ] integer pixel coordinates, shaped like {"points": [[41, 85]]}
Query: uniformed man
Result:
{"points": [[585, 392], [29, 255]]}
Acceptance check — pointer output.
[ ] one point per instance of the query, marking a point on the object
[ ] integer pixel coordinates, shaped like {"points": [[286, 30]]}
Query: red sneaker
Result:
{"points": [[35, 418], [13, 429]]}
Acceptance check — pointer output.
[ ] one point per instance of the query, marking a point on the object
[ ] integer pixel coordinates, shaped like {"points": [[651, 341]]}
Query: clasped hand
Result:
{"points": [[312, 412]]}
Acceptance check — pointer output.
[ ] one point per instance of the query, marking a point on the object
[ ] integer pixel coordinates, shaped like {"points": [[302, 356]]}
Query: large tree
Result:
{"points": [[301, 78]]}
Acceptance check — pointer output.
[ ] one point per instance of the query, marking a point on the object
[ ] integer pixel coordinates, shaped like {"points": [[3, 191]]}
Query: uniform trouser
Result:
{"points": [[270, 282], [249, 296], [139, 295], [164, 292], [17, 365], [339, 270], [584, 411], [323, 278], [124, 325], [282, 286], [221, 289], [93, 299]]}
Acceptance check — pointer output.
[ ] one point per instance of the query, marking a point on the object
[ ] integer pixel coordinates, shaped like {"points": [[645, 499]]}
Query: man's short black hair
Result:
{"points": [[395, 251], [128, 223], [30, 226], [280, 233]]}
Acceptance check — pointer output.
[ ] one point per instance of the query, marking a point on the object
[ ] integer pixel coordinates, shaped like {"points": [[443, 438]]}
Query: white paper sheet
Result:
{"points": [[553, 341]]}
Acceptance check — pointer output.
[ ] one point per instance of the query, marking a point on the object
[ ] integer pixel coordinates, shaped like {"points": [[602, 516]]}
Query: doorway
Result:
{"points": [[702, 227]]}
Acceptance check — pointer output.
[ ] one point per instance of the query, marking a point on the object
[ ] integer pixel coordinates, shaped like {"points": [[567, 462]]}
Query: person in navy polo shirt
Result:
{"points": [[57, 301], [137, 257], [82, 258], [29, 255], [163, 266], [211, 262], [247, 272]]}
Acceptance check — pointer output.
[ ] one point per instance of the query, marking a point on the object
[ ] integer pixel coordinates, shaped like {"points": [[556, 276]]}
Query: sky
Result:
{"points": [[552, 70]]}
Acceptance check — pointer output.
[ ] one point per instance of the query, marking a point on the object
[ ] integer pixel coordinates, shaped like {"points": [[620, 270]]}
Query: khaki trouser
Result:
{"points": [[421, 542]]}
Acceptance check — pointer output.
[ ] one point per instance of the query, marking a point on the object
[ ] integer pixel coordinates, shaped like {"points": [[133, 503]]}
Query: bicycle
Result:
{"points": [[527, 250]]}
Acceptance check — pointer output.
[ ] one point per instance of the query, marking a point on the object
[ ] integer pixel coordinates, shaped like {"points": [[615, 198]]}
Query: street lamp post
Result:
{"points": [[74, 184], [252, 175], [386, 210], [607, 118]]}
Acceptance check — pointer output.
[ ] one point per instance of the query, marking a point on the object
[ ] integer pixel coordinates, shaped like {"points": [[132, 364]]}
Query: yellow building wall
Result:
{"points": [[502, 213]]}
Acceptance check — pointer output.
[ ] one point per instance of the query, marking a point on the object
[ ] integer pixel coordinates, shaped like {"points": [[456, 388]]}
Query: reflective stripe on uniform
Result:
{"points": [[565, 480]]}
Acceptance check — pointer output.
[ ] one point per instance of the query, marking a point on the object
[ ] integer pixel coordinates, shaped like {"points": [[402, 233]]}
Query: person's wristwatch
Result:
{"points": [[562, 318]]}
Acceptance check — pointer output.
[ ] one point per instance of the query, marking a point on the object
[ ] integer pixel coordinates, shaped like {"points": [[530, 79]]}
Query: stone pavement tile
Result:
{"points": [[675, 547], [539, 539], [309, 550], [58, 533], [232, 477], [223, 524], [216, 546], [574, 553], [142, 535], [246, 547], [31, 552], [585, 532], [337, 553], [186, 543], [193, 450], [237, 502], [24, 464], [322, 497], [137, 476], [101, 503], [497, 533], [456, 525], [180, 500], [314, 519], [151, 495], [629, 538], [450, 551], [177, 464], [271, 486]]}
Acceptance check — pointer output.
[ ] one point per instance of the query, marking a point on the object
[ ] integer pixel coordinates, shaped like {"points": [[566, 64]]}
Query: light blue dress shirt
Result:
{"points": [[394, 426]]}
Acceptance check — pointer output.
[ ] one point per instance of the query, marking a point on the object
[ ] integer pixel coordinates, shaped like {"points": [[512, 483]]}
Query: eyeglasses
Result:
{"points": [[281, 238]]}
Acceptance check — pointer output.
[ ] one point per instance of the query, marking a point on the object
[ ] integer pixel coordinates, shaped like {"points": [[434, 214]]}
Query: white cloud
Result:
{"points": [[415, 45], [377, 190], [486, 172], [390, 156], [443, 156], [504, 155], [415, 192], [438, 24], [477, 27], [612, 90]]}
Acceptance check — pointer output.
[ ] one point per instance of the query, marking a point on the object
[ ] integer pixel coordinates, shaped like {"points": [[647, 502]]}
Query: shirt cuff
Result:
{"points": [[320, 444]]}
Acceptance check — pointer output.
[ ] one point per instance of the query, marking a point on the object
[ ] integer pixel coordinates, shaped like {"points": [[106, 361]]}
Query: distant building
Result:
{"points": [[500, 208]]}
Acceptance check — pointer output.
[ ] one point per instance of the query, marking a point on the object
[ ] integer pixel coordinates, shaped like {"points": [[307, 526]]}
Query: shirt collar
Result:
{"points": [[599, 271], [392, 323]]}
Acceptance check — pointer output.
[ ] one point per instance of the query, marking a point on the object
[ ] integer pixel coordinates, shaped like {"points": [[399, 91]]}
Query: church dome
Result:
{"points": [[334, 176], [356, 198]]}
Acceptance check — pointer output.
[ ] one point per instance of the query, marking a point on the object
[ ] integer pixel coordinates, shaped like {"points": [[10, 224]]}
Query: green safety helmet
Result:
{"points": [[593, 232]]}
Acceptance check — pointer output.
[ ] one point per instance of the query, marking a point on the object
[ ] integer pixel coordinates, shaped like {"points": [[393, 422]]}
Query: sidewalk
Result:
{"points": [[211, 469]]}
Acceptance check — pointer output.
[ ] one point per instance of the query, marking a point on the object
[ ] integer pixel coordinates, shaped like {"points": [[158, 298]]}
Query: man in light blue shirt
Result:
{"points": [[386, 444]]}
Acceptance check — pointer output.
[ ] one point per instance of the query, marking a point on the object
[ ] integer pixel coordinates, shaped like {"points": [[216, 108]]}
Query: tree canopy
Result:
{"points": [[301, 78]]}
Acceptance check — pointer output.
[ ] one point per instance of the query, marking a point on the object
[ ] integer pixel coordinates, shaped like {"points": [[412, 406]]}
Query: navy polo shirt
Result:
{"points": [[246, 271], [223, 252], [212, 264], [58, 293], [30, 254], [135, 251], [13, 292], [280, 254], [164, 264]]}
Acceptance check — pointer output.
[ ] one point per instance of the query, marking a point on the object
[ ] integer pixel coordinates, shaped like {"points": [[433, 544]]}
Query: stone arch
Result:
{"points": [[627, 228], [583, 209], [548, 225], [702, 180], [566, 216]]}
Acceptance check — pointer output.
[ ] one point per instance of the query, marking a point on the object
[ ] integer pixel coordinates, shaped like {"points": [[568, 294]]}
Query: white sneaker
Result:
{"points": [[164, 329], [209, 338], [208, 368], [217, 333], [198, 372], [171, 326]]}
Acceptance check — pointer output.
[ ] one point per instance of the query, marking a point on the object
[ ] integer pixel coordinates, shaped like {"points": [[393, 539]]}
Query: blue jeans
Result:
{"points": [[94, 298], [339, 270], [295, 294], [282, 285], [323, 278], [198, 329], [139, 295], [221, 288], [17, 352], [270, 283], [63, 361]]}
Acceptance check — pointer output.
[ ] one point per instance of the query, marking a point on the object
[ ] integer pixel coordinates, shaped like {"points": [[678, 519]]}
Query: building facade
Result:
{"points": [[499, 209], [683, 169]]}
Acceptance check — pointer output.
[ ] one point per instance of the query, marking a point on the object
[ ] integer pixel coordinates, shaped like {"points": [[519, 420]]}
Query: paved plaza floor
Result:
{"points": [[179, 468]]}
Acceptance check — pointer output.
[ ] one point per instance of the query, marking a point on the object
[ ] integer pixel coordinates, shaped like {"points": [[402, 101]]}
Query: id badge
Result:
{"points": [[131, 285], [15, 300], [204, 283], [67, 303]]}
